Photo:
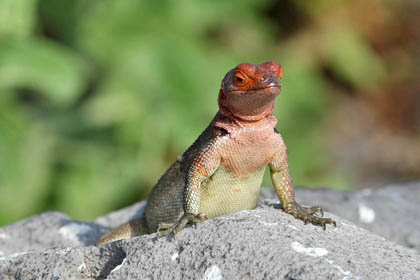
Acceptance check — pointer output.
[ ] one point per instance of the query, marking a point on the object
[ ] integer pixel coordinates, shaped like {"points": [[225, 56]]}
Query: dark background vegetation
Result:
{"points": [[98, 97]]}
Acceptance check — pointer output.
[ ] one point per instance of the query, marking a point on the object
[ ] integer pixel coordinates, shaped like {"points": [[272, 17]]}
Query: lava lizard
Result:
{"points": [[222, 171]]}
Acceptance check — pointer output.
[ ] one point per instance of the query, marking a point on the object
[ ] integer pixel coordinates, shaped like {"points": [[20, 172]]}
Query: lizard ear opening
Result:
{"points": [[223, 131]]}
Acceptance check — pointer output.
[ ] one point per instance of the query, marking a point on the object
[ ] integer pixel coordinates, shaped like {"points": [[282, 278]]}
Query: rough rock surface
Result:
{"points": [[256, 244], [392, 211]]}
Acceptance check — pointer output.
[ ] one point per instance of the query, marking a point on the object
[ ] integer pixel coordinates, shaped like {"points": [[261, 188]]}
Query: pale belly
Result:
{"points": [[225, 193]]}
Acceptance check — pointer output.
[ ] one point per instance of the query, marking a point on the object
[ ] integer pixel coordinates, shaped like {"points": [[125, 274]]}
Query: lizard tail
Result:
{"points": [[128, 230]]}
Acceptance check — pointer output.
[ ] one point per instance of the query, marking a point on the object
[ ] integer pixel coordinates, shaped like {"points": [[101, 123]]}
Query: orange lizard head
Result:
{"points": [[248, 91]]}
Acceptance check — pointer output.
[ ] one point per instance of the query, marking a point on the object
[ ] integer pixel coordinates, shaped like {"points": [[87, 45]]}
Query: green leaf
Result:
{"points": [[55, 71], [353, 59], [17, 17], [26, 152]]}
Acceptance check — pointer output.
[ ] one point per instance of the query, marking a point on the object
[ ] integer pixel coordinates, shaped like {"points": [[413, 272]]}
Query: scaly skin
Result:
{"points": [[222, 171]]}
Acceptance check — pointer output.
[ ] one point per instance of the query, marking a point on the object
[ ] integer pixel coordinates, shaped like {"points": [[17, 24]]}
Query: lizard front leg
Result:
{"points": [[282, 182], [203, 166]]}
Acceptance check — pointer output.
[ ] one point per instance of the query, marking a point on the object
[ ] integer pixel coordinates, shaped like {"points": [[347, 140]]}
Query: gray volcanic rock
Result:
{"points": [[392, 212], [255, 244], [264, 243], [48, 230], [122, 216], [57, 230]]}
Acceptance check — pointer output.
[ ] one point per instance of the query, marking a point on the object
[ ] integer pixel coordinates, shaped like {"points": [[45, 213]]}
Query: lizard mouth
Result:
{"points": [[269, 87], [274, 89]]}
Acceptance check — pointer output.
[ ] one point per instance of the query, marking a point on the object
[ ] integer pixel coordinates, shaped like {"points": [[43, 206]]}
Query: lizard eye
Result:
{"points": [[239, 78]]}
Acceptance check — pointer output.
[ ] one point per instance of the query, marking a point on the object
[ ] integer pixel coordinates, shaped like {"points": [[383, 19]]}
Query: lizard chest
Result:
{"points": [[236, 183], [224, 193]]}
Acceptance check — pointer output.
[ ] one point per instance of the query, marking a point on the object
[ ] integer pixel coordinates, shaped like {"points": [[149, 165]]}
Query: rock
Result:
{"points": [[392, 211], [254, 244], [122, 216], [48, 230]]}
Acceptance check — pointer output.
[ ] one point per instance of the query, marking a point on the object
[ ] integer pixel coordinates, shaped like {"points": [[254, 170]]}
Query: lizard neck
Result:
{"points": [[233, 124]]}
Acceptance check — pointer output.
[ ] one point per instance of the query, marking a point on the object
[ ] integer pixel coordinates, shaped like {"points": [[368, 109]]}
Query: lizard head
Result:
{"points": [[248, 91]]}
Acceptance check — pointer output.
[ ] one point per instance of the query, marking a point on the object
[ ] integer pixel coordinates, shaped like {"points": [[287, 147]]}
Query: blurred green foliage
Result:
{"points": [[98, 97]]}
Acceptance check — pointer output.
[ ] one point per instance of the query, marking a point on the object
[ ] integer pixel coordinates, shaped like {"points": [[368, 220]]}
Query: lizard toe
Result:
{"points": [[313, 215], [165, 229]]}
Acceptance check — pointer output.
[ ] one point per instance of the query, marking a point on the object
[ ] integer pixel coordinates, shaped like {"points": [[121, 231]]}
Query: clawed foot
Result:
{"points": [[312, 215], [166, 229]]}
